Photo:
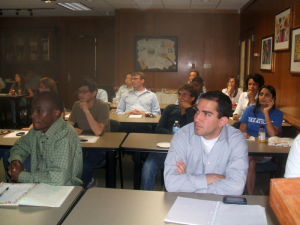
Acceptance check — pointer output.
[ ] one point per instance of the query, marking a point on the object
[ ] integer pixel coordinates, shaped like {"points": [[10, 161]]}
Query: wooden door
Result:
{"points": [[81, 62]]}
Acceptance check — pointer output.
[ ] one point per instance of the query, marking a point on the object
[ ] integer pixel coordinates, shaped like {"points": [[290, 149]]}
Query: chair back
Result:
{"points": [[114, 125]]}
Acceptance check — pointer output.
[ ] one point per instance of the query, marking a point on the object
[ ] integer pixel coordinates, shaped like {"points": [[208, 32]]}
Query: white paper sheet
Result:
{"points": [[196, 211], [90, 139], [13, 134], [135, 116]]}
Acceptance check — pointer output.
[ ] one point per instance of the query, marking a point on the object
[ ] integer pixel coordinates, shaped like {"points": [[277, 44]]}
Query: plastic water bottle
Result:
{"points": [[262, 134], [176, 126]]}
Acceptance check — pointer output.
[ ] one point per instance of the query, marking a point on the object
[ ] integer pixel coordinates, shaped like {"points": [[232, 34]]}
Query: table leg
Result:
{"points": [[110, 169], [17, 107], [137, 170]]}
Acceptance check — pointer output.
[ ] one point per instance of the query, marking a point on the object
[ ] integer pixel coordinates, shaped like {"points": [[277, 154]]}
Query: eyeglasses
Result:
{"points": [[135, 78], [83, 92], [183, 95]]}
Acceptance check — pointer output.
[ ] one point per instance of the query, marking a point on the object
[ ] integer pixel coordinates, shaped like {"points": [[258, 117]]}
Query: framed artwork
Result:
{"points": [[155, 54], [283, 25], [295, 51], [266, 54]]}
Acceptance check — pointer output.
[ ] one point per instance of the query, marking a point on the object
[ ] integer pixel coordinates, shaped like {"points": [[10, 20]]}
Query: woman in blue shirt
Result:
{"points": [[263, 113]]}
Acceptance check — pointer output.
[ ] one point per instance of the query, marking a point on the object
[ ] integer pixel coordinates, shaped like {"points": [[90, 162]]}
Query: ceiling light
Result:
{"points": [[48, 1], [74, 6]]}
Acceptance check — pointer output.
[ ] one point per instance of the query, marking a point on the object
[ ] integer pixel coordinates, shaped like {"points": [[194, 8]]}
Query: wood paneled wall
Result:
{"points": [[203, 37], [261, 16], [101, 27]]}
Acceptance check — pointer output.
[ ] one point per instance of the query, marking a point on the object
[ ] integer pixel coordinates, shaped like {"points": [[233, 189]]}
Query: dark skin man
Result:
{"points": [[43, 116]]}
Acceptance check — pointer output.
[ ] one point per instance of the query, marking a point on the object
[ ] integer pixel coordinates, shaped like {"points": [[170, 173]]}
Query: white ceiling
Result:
{"points": [[107, 7]]}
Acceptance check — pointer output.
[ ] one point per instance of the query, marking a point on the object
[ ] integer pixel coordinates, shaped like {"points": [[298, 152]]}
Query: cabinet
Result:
{"points": [[26, 48]]}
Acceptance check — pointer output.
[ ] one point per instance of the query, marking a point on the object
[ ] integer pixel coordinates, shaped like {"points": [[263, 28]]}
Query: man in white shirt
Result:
{"points": [[292, 168], [138, 101]]}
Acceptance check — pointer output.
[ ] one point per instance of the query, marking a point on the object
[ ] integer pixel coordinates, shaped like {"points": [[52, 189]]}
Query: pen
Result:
{"points": [[83, 140], [4, 191]]}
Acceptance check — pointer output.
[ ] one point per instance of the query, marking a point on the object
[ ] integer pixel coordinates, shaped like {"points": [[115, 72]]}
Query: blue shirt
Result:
{"points": [[102, 95], [145, 101], [254, 122], [123, 89]]}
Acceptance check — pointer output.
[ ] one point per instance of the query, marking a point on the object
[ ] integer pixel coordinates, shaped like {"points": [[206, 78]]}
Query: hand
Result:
{"points": [[234, 104], [14, 170], [229, 90], [113, 111], [270, 105], [251, 96], [78, 131], [235, 117], [84, 106], [180, 167], [136, 112], [184, 105], [246, 135], [211, 178]]}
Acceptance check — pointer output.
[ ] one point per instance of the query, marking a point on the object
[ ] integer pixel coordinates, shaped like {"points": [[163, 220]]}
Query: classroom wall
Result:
{"points": [[67, 27], [209, 37], [260, 15]]}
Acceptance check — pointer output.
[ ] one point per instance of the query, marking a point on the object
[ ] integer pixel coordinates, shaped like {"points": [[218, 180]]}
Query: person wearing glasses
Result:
{"points": [[91, 116], [208, 155], [184, 114]]}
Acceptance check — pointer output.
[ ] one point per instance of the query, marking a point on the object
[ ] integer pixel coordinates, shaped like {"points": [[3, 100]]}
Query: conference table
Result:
{"points": [[109, 142], [145, 142], [132, 207], [31, 215]]}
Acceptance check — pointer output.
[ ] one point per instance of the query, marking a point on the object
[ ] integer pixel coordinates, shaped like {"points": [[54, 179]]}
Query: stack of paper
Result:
{"points": [[283, 142]]}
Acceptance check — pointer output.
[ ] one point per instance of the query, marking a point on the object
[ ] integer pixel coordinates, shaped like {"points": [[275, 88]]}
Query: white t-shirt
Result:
{"points": [[209, 144], [292, 168]]}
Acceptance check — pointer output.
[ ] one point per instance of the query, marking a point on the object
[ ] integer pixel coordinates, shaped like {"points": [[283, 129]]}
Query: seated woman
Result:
{"points": [[254, 83], [20, 86], [263, 113], [125, 87], [232, 91]]}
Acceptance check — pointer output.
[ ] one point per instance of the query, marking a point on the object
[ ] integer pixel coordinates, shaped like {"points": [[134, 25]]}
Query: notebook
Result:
{"points": [[33, 194], [196, 211]]}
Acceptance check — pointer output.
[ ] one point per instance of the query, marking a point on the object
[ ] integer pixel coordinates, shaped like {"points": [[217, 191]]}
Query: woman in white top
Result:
{"points": [[254, 83], [125, 87], [232, 91]]}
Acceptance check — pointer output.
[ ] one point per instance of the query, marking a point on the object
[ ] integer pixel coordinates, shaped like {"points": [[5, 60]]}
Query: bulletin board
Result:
{"points": [[156, 54]]}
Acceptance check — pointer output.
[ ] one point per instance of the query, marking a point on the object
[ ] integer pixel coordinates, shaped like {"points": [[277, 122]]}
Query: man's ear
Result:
{"points": [[223, 121]]}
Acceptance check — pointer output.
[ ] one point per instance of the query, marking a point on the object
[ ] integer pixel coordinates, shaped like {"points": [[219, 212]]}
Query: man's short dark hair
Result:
{"points": [[259, 79], [198, 79], [90, 83], [52, 97], [141, 74], [224, 103], [196, 71], [190, 88]]}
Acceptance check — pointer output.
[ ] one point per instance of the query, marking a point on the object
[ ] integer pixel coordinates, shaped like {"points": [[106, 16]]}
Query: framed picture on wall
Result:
{"points": [[295, 51], [283, 25], [266, 54], [156, 54]]}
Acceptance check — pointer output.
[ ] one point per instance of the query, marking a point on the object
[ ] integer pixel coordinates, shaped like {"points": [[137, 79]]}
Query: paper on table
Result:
{"points": [[90, 139], [196, 211], [13, 134], [46, 195], [15, 192], [283, 142], [135, 116]]}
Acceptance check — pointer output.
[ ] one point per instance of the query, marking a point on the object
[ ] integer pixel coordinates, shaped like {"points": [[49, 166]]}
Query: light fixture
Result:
{"points": [[17, 11], [74, 6], [48, 1]]}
